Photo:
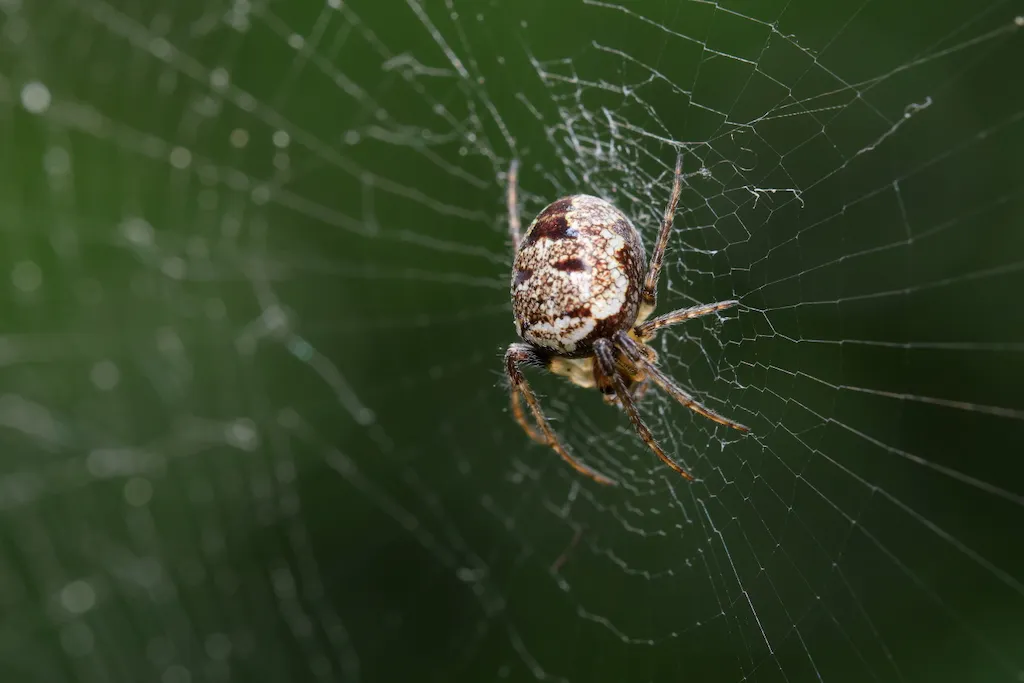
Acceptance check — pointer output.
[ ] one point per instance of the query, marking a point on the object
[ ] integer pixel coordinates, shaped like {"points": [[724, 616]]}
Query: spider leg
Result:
{"points": [[637, 391], [650, 291], [520, 416], [525, 356], [635, 353], [646, 330], [513, 204], [522, 354], [641, 390], [636, 382], [604, 350]]}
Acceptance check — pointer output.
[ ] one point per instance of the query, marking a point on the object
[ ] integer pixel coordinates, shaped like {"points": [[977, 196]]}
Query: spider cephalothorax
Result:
{"points": [[581, 295]]}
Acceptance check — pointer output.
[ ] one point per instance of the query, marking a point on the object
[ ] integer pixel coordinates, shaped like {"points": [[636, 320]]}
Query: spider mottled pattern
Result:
{"points": [[582, 295]]}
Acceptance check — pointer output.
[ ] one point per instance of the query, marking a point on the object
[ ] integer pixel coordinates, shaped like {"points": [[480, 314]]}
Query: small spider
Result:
{"points": [[581, 301]]}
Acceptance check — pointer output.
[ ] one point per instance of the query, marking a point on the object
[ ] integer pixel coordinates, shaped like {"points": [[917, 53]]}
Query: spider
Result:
{"points": [[582, 296]]}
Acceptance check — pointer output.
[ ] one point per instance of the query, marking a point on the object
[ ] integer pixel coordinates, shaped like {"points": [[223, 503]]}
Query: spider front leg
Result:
{"points": [[634, 351], [511, 198], [636, 381], [647, 329], [637, 389], [520, 354], [604, 351], [650, 291]]}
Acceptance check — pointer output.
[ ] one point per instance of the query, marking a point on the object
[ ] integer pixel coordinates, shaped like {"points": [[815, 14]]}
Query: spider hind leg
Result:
{"points": [[523, 354], [604, 350]]}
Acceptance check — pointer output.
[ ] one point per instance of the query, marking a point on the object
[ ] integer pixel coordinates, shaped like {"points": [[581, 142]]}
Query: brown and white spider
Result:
{"points": [[581, 301]]}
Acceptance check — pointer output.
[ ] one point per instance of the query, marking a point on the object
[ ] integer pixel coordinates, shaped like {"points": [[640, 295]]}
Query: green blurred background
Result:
{"points": [[253, 425]]}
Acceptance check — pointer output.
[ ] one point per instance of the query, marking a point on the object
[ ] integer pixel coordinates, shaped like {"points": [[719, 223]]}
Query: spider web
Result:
{"points": [[252, 414]]}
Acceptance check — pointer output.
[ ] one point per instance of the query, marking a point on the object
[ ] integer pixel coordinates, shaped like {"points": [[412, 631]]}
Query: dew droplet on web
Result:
{"points": [[242, 434], [27, 276], [57, 161], [180, 158], [35, 97], [281, 138], [260, 195], [220, 78], [105, 375], [174, 267], [138, 491], [239, 138], [160, 48], [138, 231], [78, 597], [168, 342]]}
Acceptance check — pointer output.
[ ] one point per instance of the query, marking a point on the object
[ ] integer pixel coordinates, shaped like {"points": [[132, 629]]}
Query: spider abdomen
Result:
{"points": [[577, 275]]}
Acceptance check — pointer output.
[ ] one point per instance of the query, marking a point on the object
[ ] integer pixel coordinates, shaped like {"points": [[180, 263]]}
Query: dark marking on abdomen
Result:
{"points": [[571, 265], [522, 276], [551, 223], [582, 312]]}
